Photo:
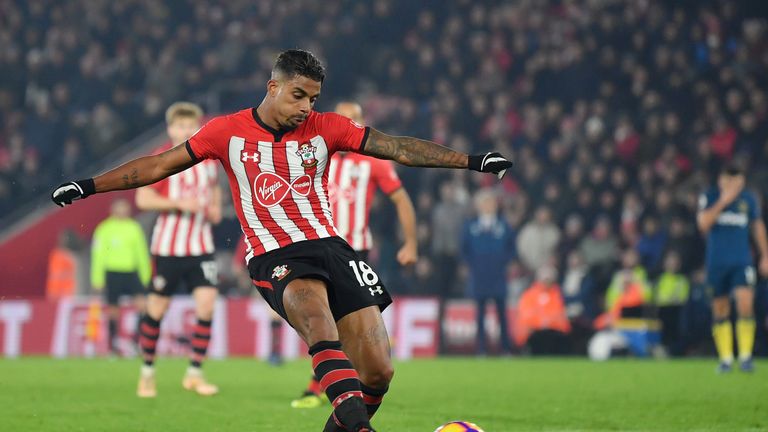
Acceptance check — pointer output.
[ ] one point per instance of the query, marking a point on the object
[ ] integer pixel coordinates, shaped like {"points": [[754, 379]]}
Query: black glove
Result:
{"points": [[65, 193], [492, 162]]}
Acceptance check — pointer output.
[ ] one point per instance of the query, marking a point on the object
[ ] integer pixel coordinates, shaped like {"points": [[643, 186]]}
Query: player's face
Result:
{"points": [[182, 129], [293, 99]]}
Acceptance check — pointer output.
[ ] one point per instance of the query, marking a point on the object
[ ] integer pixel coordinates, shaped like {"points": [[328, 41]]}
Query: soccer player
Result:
{"points": [[726, 215], [276, 157], [119, 263], [182, 248], [352, 184]]}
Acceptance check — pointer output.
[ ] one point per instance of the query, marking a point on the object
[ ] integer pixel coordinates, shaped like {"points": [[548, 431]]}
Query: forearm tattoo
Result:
{"points": [[412, 151], [131, 181]]}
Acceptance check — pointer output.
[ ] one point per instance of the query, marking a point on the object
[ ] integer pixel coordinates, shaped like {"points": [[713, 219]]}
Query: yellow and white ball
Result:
{"points": [[459, 426]]}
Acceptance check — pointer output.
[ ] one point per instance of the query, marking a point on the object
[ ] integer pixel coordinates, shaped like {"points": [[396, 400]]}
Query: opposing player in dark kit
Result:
{"points": [[727, 216], [276, 157]]}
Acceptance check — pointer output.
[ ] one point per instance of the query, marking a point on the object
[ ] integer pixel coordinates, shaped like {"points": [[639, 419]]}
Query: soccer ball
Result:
{"points": [[459, 426]]}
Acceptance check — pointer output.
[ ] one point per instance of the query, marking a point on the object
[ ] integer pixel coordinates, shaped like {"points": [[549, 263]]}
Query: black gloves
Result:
{"points": [[492, 162], [65, 193]]}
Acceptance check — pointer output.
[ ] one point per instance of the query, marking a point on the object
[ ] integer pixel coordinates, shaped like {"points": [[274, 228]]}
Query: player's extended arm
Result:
{"points": [[409, 253], [138, 172], [416, 152]]}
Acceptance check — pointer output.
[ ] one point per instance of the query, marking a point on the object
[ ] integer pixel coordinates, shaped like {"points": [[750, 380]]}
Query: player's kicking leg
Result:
{"points": [[366, 343], [194, 380], [306, 305], [149, 334], [745, 326]]}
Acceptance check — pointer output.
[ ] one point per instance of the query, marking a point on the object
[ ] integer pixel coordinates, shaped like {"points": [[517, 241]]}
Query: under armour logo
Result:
{"points": [[253, 157], [376, 290]]}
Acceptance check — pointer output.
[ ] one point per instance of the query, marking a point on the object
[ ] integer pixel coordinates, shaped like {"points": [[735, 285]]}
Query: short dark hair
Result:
{"points": [[294, 62], [733, 168]]}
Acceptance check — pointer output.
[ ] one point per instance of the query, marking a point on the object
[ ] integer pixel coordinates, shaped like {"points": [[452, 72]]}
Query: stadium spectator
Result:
{"points": [[447, 217], [537, 240], [600, 249], [650, 245], [488, 247], [671, 295], [628, 292], [542, 322], [578, 289], [61, 281]]}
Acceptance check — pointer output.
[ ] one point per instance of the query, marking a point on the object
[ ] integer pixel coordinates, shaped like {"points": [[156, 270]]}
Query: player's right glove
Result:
{"points": [[65, 193], [492, 162]]}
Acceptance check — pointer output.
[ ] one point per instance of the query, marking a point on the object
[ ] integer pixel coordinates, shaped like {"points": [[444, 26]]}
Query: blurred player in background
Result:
{"points": [[352, 184], [120, 263], [276, 156], [726, 216], [182, 247]]}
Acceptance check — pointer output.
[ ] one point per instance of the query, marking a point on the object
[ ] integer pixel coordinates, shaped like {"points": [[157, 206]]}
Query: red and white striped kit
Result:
{"points": [[279, 179]]}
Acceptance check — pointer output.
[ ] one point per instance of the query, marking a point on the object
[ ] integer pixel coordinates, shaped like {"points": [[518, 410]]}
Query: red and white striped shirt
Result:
{"points": [[279, 179], [353, 180], [182, 234]]}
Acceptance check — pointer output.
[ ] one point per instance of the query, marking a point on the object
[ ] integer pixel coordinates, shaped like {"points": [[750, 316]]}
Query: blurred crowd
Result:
{"points": [[618, 114]]}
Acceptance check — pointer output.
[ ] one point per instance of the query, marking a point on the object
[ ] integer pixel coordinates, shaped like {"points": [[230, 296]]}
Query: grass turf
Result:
{"points": [[40, 394]]}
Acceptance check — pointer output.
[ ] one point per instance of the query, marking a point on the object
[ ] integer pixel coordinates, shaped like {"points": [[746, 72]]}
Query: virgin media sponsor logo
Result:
{"points": [[271, 189]]}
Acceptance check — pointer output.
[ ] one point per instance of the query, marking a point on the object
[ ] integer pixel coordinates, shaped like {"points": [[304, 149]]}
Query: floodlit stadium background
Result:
{"points": [[617, 115]]}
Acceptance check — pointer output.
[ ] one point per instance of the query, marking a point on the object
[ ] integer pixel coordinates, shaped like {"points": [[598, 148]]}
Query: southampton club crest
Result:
{"points": [[279, 272], [307, 154]]}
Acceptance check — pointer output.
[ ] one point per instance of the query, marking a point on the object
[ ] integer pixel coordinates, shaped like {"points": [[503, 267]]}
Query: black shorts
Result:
{"points": [[119, 284], [181, 275], [352, 283]]}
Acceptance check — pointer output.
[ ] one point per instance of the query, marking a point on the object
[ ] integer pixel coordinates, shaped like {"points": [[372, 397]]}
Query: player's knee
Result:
{"points": [[379, 377]]}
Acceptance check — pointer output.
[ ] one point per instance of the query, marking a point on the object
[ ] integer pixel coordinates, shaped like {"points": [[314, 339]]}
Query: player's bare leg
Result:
{"points": [[156, 307], [745, 326], [194, 380], [365, 340], [306, 306], [722, 332]]}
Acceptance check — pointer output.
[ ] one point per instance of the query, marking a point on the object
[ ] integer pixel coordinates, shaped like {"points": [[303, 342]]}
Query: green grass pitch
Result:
{"points": [[506, 394]]}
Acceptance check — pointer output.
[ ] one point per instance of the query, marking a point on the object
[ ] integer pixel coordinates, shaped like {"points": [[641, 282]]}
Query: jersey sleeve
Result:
{"points": [[210, 142], [385, 176], [342, 134]]}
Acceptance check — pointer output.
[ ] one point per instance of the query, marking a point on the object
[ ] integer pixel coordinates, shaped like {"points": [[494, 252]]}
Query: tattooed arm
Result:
{"points": [[130, 175], [145, 170], [422, 153], [413, 151]]}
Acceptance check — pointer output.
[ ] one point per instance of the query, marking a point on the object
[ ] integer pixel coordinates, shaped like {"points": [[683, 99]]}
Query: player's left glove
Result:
{"points": [[65, 193], [492, 162]]}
